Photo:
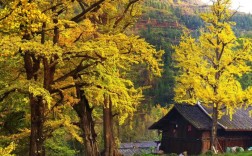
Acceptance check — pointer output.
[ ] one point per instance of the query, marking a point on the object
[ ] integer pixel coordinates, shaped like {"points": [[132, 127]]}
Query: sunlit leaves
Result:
{"points": [[22, 17], [51, 47], [66, 122], [210, 65], [7, 150], [27, 87], [106, 78]]}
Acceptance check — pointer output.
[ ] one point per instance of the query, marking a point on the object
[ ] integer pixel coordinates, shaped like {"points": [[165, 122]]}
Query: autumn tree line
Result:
{"points": [[61, 60], [70, 65]]}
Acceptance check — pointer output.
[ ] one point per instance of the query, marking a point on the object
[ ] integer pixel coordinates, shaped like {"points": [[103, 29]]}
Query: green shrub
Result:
{"points": [[209, 153]]}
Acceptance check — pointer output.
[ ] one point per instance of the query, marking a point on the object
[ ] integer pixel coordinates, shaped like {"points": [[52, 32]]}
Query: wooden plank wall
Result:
{"points": [[179, 145]]}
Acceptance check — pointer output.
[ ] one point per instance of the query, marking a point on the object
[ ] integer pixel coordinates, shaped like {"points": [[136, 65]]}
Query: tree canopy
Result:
{"points": [[66, 56], [210, 66]]}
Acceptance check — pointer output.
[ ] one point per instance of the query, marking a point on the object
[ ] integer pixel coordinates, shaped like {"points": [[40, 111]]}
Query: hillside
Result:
{"points": [[161, 25], [179, 13]]}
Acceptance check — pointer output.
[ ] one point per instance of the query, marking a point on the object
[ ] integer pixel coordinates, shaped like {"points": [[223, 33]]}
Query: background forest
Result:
{"points": [[63, 59]]}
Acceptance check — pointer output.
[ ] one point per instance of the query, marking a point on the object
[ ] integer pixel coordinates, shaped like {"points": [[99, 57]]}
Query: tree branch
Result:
{"points": [[68, 87], [52, 7], [80, 16], [6, 94], [79, 68], [124, 13]]}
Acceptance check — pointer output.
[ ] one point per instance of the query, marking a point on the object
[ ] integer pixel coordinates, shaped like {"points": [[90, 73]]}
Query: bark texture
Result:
{"points": [[37, 122], [86, 124], [214, 129], [110, 148]]}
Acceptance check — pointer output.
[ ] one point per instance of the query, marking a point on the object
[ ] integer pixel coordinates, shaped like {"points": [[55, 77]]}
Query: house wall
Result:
{"points": [[206, 143], [234, 138], [179, 136], [227, 139]]}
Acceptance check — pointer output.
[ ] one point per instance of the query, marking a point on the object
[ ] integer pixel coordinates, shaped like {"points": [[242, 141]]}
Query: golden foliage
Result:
{"points": [[7, 150], [209, 66], [61, 48]]}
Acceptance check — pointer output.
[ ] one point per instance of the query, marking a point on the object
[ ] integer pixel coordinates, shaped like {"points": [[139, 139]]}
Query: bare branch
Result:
{"points": [[58, 90], [6, 94], [52, 7], [80, 16], [79, 68], [78, 38], [124, 13]]}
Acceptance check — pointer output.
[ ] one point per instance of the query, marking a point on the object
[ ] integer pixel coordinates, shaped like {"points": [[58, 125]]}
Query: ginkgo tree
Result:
{"points": [[209, 66], [59, 51], [112, 89]]}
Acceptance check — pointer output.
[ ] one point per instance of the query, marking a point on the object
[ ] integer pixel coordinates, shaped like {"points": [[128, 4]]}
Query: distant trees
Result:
{"points": [[243, 25], [162, 87], [243, 21], [162, 38], [162, 5]]}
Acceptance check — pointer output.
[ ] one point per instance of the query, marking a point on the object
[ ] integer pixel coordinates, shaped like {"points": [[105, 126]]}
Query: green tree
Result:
{"points": [[209, 66]]}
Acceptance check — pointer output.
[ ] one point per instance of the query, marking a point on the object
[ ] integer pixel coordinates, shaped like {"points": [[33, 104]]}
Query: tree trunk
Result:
{"points": [[86, 124], [37, 107], [214, 129], [37, 122], [109, 140], [107, 133]]}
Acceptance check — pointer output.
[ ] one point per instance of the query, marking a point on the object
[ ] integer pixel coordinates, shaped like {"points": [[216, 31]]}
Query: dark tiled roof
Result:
{"points": [[194, 115], [132, 148], [142, 144], [135, 151], [241, 121], [160, 124], [200, 118]]}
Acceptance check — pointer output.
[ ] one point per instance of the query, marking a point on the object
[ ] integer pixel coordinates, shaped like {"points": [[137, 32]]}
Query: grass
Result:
{"points": [[247, 153]]}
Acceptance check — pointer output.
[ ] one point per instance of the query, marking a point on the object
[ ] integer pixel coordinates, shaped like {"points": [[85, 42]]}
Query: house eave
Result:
{"points": [[202, 108], [238, 130]]}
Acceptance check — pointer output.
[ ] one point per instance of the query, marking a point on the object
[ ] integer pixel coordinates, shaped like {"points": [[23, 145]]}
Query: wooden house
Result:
{"points": [[188, 128]]}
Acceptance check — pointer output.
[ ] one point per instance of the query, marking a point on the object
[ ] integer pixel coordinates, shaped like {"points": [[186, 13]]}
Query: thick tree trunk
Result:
{"points": [[86, 124], [37, 122], [109, 140], [214, 129], [37, 107], [107, 133]]}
